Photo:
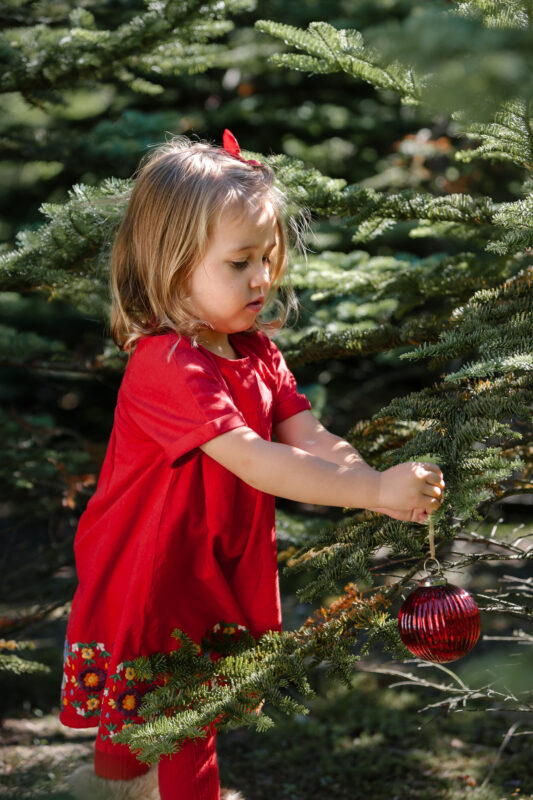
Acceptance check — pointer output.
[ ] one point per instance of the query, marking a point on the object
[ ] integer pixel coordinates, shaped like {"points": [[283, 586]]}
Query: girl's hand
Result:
{"points": [[410, 491]]}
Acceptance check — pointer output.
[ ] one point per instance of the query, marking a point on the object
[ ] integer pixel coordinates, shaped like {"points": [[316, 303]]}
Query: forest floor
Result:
{"points": [[369, 741]]}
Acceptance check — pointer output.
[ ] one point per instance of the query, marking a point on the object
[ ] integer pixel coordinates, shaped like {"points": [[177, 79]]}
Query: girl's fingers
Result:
{"points": [[432, 491], [435, 472], [434, 485], [432, 504]]}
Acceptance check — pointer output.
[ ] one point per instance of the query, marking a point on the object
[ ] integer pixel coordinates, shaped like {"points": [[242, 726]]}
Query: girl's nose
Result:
{"points": [[261, 275]]}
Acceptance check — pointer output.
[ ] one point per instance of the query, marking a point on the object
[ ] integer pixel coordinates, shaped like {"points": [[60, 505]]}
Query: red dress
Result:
{"points": [[171, 539]]}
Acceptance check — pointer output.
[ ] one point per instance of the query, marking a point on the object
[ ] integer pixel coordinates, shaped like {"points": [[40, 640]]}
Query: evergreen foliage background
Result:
{"points": [[405, 130]]}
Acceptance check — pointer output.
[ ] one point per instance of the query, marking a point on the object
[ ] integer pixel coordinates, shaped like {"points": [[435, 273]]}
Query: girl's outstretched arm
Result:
{"points": [[305, 431], [288, 471]]}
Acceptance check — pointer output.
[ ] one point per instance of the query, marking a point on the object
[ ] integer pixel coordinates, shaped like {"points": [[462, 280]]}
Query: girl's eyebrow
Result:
{"points": [[253, 247]]}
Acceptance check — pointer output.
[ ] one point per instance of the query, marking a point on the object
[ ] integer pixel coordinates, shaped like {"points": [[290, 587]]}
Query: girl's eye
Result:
{"points": [[243, 264]]}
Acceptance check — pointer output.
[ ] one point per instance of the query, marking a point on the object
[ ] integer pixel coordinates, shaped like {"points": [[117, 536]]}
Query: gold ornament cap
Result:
{"points": [[434, 575]]}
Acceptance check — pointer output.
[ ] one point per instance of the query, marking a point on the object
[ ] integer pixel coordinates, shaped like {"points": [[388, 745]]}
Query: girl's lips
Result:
{"points": [[256, 305]]}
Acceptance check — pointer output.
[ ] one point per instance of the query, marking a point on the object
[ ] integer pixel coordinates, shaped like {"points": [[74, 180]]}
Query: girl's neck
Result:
{"points": [[218, 343]]}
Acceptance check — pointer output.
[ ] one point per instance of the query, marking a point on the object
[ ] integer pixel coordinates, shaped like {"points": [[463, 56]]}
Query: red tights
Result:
{"points": [[190, 774]]}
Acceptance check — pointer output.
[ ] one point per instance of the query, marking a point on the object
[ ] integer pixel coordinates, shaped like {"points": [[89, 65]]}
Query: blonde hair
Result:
{"points": [[180, 193]]}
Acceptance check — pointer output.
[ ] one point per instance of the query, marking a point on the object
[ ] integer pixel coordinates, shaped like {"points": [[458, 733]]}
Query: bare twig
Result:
{"points": [[506, 739]]}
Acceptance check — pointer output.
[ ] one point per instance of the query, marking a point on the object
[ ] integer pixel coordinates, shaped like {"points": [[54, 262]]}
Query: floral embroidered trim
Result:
{"points": [[103, 696], [110, 696], [84, 676]]}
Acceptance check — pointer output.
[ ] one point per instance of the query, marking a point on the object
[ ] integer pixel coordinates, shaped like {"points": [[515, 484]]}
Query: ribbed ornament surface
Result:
{"points": [[439, 623]]}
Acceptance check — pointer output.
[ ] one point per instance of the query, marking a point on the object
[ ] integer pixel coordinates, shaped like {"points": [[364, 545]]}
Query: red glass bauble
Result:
{"points": [[439, 621]]}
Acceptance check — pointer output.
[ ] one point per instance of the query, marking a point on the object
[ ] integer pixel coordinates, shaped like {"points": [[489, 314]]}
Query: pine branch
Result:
{"points": [[9, 662], [21, 666], [466, 62], [516, 219], [320, 346], [333, 50], [375, 212], [500, 14], [62, 257], [357, 305], [18, 347], [495, 321], [167, 37], [508, 138]]}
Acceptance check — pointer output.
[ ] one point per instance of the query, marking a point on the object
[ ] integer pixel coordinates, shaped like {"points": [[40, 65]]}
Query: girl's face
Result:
{"points": [[228, 288]]}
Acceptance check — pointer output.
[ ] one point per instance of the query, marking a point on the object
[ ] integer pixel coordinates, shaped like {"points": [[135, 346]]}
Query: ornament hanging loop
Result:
{"points": [[432, 566]]}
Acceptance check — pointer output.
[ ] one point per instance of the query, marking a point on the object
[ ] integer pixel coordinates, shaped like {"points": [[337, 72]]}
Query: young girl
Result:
{"points": [[180, 532]]}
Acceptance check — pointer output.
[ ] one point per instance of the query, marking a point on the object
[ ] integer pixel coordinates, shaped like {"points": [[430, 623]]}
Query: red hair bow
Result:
{"points": [[231, 146]]}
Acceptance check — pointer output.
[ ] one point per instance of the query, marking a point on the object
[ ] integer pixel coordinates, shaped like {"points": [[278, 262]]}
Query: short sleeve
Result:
{"points": [[181, 401], [289, 400]]}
